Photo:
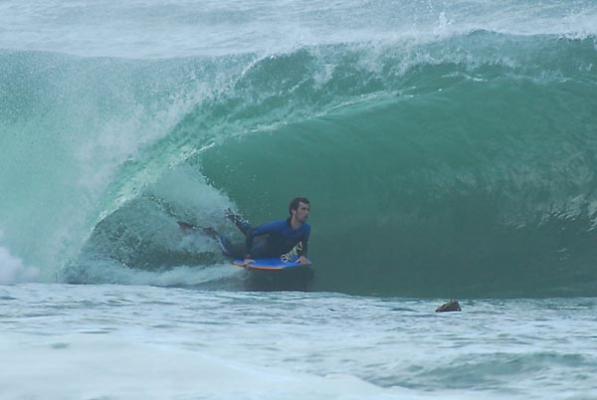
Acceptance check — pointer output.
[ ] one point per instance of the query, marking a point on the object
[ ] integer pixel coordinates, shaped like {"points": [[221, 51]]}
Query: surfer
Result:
{"points": [[286, 239]]}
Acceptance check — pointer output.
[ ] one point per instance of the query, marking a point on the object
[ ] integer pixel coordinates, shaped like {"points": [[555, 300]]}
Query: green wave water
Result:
{"points": [[461, 166]]}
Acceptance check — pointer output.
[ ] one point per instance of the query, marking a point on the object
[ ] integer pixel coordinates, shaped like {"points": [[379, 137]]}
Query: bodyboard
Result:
{"points": [[269, 264]]}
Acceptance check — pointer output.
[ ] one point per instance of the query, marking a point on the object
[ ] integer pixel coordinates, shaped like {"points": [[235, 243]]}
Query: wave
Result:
{"points": [[456, 167]]}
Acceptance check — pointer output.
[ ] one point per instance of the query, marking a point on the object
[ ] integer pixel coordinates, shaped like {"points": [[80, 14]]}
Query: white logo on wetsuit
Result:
{"points": [[293, 253]]}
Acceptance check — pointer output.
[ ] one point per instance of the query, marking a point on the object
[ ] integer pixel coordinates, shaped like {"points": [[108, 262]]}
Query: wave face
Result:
{"points": [[456, 163]]}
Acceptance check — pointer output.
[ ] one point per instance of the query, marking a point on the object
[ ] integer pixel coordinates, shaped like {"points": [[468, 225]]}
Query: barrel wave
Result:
{"points": [[459, 165]]}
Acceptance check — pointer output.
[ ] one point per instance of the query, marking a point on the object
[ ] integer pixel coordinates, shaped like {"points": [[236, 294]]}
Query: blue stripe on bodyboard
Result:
{"points": [[274, 264]]}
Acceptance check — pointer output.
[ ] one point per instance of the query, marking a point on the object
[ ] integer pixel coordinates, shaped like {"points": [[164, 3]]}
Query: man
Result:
{"points": [[286, 239]]}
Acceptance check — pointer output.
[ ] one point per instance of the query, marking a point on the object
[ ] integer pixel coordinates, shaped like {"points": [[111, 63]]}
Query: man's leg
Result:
{"points": [[228, 249], [259, 249], [241, 223]]}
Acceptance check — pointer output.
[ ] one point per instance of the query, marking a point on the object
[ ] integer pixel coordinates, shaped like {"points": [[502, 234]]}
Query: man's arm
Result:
{"points": [[305, 242], [305, 247], [303, 256]]}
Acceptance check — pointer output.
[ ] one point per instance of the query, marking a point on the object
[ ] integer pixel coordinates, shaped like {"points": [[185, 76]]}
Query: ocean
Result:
{"points": [[448, 148]]}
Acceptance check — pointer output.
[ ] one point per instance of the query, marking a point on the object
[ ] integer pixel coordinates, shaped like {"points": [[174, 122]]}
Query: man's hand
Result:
{"points": [[303, 260]]}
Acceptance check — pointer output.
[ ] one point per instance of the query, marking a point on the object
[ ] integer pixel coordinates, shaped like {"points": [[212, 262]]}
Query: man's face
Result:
{"points": [[302, 212]]}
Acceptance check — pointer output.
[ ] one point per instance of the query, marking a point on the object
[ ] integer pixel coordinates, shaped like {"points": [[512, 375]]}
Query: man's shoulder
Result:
{"points": [[284, 225], [276, 224], [306, 228]]}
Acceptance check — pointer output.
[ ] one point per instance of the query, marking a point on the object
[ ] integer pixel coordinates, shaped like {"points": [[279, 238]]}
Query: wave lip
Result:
{"points": [[227, 28]]}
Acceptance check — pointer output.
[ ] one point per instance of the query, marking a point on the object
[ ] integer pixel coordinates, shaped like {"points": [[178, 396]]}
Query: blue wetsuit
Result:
{"points": [[271, 240], [281, 239]]}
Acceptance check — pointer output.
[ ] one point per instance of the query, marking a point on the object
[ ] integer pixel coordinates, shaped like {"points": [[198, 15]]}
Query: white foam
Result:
{"points": [[219, 28], [13, 270], [117, 367]]}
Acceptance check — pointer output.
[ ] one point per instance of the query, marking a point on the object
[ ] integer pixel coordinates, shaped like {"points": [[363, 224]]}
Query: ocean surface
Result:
{"points": [[449, 150], [141, 342]]}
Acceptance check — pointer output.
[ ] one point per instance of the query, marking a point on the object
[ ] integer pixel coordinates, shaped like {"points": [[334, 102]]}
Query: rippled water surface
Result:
{"points": [[114, 342]]}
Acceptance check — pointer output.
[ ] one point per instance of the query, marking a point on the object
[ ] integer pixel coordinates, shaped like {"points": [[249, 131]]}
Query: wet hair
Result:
{"points": [[294, 204]]}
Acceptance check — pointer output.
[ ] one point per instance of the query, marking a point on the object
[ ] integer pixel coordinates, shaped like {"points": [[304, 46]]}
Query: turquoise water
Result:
{"points": [[451, 145], [448, 149]]}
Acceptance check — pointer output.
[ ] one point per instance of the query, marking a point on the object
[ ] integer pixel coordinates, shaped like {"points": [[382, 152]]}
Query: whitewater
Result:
{"points": [[449, 150]]}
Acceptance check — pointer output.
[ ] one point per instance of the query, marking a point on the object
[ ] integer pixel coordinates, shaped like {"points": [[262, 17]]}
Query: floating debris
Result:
{"points": [[452, 305]]}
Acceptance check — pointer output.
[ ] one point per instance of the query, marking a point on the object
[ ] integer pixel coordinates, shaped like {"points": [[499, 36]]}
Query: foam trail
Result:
{"points": [[12, 269]]}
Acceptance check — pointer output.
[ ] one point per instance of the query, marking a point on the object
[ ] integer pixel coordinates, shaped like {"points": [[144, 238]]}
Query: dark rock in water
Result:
{"points": [[452, 305]]}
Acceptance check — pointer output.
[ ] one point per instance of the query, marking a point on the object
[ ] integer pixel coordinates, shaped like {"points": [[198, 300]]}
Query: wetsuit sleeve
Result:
{"points": [[260, 230], [306, 242], [305, 247]]}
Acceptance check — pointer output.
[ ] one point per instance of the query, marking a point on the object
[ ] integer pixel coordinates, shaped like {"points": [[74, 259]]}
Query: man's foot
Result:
{"points": [[190, 228], [186, 227], [236, 219]]}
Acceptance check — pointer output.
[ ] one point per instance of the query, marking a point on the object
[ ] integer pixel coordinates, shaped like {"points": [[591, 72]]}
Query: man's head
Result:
{"points": [[299, 209]]}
